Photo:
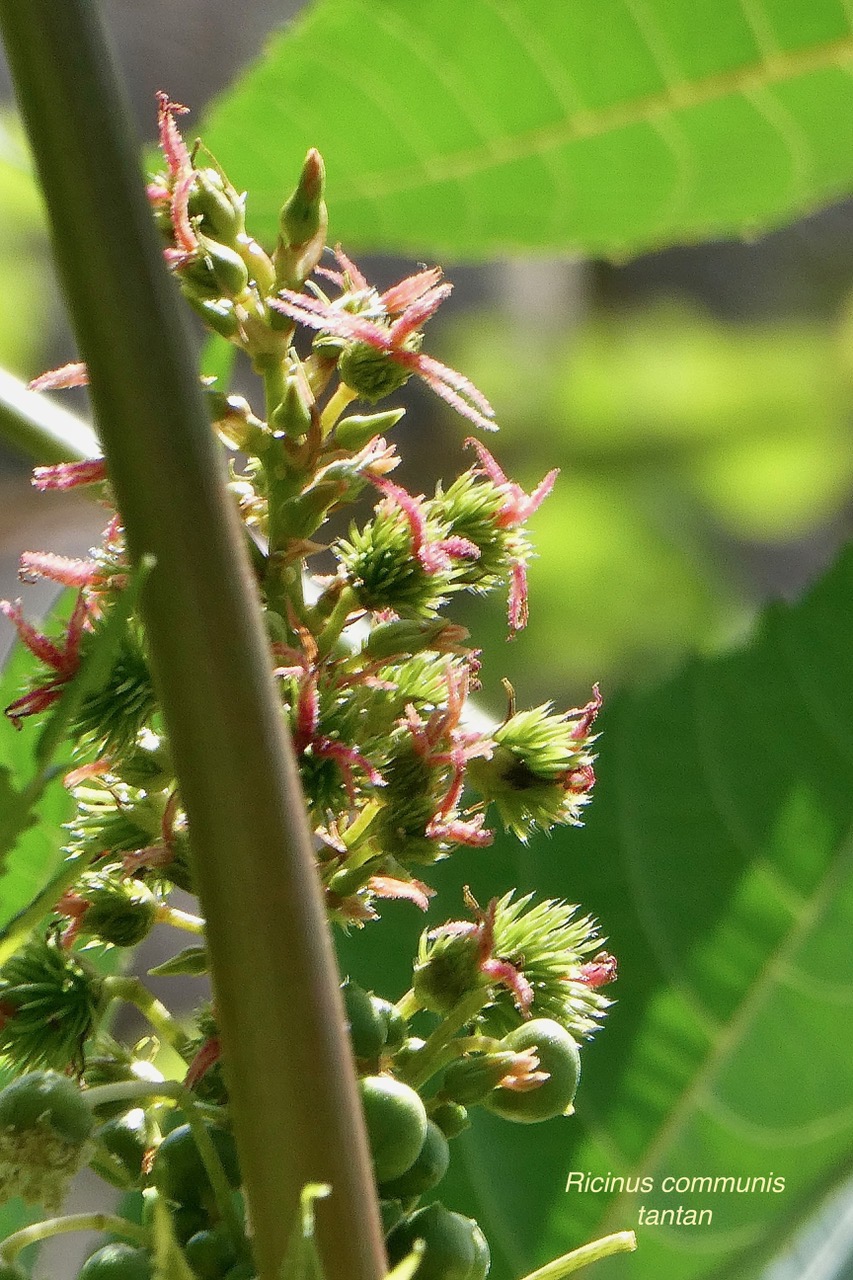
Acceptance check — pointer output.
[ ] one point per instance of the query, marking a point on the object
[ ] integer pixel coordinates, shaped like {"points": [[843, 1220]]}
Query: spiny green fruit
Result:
{"points": [[49, 1098], [455, 1247], [427, 1171], [117, 1262], [121, 912], [559, 1056], [178, 1172], [396, 1123]]}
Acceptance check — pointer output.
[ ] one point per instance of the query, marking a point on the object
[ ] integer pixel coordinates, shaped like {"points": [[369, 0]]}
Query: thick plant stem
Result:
{"points": [[290, 1072]]}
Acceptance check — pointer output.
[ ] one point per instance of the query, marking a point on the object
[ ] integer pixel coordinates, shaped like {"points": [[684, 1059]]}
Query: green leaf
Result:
{"points": [[31, 829], [600, 126], [34, 876], [717, 854]]}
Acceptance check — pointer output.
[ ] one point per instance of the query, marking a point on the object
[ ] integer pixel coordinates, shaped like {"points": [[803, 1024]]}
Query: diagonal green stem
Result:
{"points": [[40, 428], [291, 1076]]}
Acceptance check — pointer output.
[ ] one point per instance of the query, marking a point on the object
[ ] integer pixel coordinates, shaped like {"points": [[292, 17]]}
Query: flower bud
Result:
{"points": [[292, 416], [228, 272], [451, 1118], [217, 313], [356, 431], [120, 912], [403, 636], [371, 374], [559, 1060], [218, 204], [471, 1080], [302, 226]]}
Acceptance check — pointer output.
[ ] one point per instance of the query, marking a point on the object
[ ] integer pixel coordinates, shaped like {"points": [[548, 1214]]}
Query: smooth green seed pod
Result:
{"points": [[396, 1123], [178, 1172], [367, 1027], [117, 1262], [210, 1254], [127, 1139], [558, 1054], [395, 1023], [427, 1171], [46, 1097], [451, 1118], [455, 1248]]}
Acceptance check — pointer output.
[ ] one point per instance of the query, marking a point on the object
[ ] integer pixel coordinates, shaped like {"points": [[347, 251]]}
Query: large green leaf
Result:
{"points": [[603, 126], [718, 856]]}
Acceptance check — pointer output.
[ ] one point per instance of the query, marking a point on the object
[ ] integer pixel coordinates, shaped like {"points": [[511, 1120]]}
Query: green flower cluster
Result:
{"points": [[374, 680]]}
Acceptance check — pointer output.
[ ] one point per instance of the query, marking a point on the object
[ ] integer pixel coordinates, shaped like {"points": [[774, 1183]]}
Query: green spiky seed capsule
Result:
{"points": [[558, 1056], [120, 912], [371, 374], [50, 1000]]}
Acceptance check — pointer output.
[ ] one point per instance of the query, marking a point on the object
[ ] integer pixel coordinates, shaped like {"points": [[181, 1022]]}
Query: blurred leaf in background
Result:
{"points": [[682, 440], [603, 127], [717, 853], [25, 275]]}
